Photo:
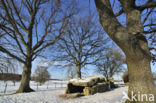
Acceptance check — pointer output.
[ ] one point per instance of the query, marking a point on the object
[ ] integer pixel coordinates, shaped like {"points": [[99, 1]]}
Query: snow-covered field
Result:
{"points": [[47, 86], [51, 95]]}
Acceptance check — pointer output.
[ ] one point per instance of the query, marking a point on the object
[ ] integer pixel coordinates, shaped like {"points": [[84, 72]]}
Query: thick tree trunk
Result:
{"points": [[132, 41], [141, 84], [26, 77], [79, 71]]}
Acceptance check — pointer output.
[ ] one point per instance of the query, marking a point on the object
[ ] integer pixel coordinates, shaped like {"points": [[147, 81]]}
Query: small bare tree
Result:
{"points": [[110, 63], [81, 45], [41, 75], [71, 71]]}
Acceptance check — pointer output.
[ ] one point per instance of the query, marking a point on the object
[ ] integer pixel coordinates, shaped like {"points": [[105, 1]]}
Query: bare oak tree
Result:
{"points": [[41, 74], [131, 40], [110, 63], [81, 45], [71, 71], [30, 26]]}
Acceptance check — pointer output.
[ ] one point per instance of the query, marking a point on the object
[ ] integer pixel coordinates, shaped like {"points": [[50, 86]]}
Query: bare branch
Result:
{"points": [[149, 4], [48, 44], [151, 31], [12, 22], [151, 10], [109, 20], [119, 13], [127, 5], [12, 55], [18, 15], [147, 25]]}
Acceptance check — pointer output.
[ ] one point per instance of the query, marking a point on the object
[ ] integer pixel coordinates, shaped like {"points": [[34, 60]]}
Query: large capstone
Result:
{"points": [[87, 86]]}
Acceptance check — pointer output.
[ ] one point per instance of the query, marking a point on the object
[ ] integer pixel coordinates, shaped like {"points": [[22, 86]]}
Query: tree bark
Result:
{"points": [[138, 61], [134, 45], [26, 77], [140, 75], [140, 80], [79, 71]]}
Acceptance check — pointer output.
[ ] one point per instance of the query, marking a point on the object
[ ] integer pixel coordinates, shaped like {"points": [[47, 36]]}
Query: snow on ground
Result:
{"points": [[51, 95], [47, 86]]}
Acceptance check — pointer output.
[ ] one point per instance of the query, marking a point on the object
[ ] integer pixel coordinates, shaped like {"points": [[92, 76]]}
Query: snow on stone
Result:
{"points": [[78, 80]]}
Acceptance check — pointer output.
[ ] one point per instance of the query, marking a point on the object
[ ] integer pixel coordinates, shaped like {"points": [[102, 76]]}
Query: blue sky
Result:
{"points": [[85, 3], [60, 72], [86, 8]]}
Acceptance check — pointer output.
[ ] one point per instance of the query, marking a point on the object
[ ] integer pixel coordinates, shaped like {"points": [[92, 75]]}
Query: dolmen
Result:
{"points": [[87, 86]]}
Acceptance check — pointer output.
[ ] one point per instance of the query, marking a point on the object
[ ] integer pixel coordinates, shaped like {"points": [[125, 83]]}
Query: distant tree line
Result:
{"points": [[10, 76]]}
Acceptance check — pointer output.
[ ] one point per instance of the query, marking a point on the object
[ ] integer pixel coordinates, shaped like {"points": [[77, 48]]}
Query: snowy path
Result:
{"points": [[52, 96]]}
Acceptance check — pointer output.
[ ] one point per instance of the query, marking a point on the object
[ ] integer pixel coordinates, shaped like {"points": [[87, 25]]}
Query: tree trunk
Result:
{"points": [[106, 77], [26, 77], [141, 85], [140, 81], [79, 71], [132, 41]]}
